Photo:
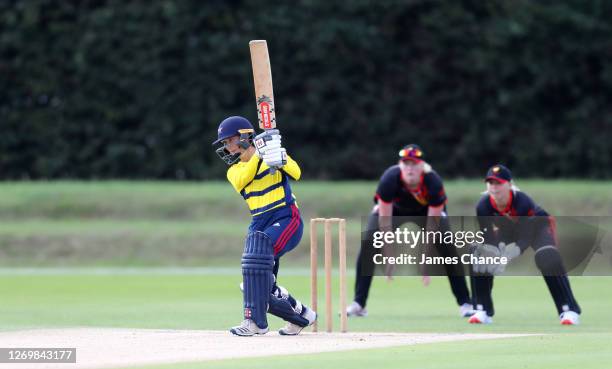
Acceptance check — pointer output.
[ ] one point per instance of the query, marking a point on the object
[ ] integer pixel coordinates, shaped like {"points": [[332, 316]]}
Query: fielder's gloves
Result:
{"points": [[275, 158], [267, 140]]}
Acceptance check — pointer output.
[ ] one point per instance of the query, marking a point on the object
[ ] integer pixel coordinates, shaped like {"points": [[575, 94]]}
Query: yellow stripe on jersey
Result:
{"points": [[261, 190]]}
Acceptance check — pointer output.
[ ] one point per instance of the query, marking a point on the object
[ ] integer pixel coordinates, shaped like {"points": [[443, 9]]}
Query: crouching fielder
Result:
{"points": [[261, 174], [511, 222]]}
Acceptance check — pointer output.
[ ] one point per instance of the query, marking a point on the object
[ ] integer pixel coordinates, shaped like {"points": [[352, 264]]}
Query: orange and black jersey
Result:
{"points": [[517, 222], [391, 189], [519, 205]]}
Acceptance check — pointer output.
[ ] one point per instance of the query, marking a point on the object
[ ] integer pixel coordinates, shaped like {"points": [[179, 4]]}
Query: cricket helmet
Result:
{"points": [[229, 127]]}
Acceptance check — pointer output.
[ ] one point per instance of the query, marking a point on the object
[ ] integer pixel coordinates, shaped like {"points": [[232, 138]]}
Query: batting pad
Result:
{"points": [[257, 264]]}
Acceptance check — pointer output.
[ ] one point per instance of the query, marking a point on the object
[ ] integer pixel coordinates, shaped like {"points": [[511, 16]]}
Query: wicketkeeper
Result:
{"points": [[260, 171], [511, 223]]}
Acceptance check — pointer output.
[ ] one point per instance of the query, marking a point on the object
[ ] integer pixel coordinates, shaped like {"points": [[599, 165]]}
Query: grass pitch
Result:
{"points": [[204, 224], [52, 234], [210, 299]]}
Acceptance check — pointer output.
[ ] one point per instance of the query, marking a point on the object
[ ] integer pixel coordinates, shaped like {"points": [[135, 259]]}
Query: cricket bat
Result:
{"points": [[262, 76]]}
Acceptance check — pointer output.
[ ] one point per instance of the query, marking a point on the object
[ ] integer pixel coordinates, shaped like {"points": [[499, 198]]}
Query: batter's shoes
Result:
{"points": [[466, 310], [293, 329], [569, 318], [248, 328], [480, 317], [355, 309]]}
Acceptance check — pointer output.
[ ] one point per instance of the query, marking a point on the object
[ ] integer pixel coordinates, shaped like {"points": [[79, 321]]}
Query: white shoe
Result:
{"points": [[466, 310], [290, 330], [293, 329], [569, 318], [248, 328], [480, 317], [354, 309]]}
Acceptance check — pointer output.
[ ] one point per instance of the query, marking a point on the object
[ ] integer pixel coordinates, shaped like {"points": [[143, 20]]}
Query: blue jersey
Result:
{"points": [[262, 190], [270, 200]]}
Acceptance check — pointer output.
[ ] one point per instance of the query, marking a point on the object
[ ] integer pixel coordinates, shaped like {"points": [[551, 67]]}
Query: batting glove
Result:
{"points": [[267, 140], [275, 158]]}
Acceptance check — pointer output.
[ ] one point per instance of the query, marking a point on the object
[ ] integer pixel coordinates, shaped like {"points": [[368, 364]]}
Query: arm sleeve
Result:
{"points": [[387, 187], [292, 169], [240, 176], [435, 189]]}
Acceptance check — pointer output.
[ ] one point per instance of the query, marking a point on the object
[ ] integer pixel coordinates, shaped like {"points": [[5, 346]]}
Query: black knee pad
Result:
{"points": [[548, 259]]}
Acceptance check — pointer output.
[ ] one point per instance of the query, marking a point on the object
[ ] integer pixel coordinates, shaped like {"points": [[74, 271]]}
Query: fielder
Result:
{"points": [[261, 175], [511, 222], [410, 188]]}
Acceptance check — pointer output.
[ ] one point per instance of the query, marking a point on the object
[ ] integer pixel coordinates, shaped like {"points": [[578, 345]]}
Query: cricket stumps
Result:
{"points": [[327, 226]]}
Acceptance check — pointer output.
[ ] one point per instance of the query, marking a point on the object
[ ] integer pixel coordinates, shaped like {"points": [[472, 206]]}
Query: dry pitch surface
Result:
{"points": [[110, 347]]}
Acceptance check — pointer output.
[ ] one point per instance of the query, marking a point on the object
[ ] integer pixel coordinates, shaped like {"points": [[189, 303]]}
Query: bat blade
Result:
{"points": [[262, 77]]}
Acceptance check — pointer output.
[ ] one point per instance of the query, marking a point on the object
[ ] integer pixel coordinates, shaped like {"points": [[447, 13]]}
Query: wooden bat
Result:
{"points": [[262, 76]]}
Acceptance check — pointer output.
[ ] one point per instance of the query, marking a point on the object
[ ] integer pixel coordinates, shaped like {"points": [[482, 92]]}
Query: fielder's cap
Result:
{"points": [[499, 173], [233, 126], [411, 152]]}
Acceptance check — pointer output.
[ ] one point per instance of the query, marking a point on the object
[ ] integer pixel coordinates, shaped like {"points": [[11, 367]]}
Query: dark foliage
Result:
{"points": [[135, 89]]}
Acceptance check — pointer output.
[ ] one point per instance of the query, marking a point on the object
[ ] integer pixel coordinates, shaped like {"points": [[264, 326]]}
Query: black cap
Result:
{"points": [[411, 152], [499, 173]]}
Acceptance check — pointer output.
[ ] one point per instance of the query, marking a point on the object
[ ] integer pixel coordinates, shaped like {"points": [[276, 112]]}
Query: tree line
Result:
{"points": [[136, 89]]}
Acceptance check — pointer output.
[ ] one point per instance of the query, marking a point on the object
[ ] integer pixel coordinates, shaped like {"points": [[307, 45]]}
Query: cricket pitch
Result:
{"points": [[123, 347]]}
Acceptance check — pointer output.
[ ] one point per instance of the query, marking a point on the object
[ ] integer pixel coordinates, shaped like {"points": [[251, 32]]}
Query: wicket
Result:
{"points": [[327, 222]]}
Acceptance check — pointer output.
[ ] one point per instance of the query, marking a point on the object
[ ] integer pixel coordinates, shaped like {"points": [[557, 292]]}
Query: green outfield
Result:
{"points": [[203, 224], [166, 255], [550, 352], [209, 299]]}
